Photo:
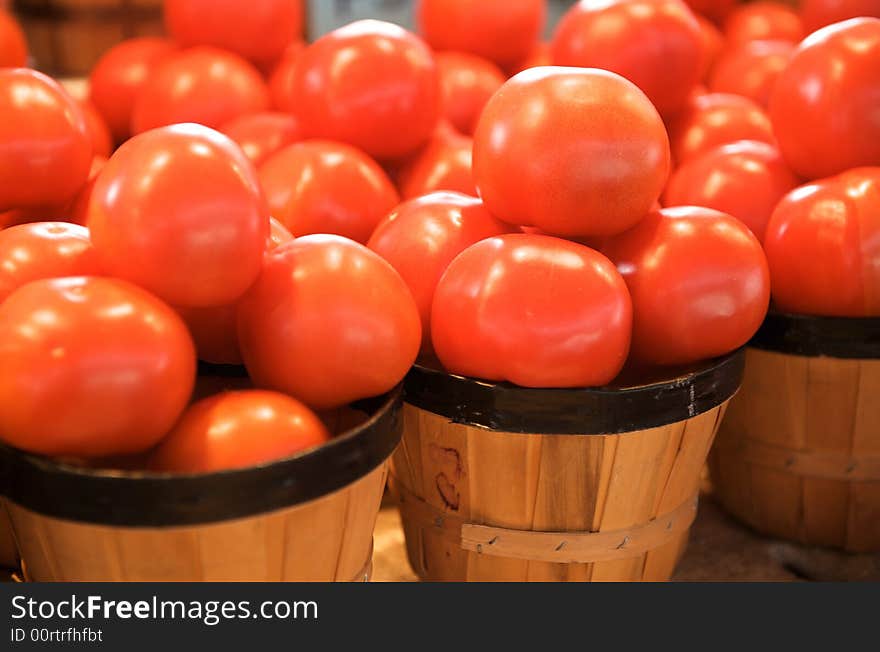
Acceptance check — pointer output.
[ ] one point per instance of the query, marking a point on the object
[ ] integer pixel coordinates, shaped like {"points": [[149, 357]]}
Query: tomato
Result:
{"points": [[656, 44], [539, 56], [99, 132], [823, 246], [29, 252], [816, 14], [824, 105], [326, 187], [751, 69], [179, 211], [13, 45], [78, 210], [468, 82], [281, 78], [715, 10], [118, 77], [45, 149], [328, 322], [203, 85], [236, 430], [745, 179], [763, 21], [370, 84], [258, 30], [262, 134], [422, 236], [717, 119], [92, 367], [713, 44], [278, 234], [445, 163], [699, 284], [533, 310], [499, 30], [572, 151]]}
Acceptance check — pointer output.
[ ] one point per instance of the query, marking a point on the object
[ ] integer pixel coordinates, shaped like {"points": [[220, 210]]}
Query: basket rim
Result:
{"points": [[159, 499], [816, 335]]}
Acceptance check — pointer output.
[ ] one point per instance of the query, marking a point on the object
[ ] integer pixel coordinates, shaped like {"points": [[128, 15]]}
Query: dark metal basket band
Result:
{"points": [[812, 336]]}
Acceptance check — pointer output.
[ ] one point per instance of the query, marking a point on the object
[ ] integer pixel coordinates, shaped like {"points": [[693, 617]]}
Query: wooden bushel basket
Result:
{"points": [[66, 37], [306, 518], [503, 483], [798, 456]]}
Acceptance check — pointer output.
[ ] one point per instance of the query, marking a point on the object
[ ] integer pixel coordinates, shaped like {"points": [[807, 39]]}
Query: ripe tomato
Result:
{"points": [[281, 78], [539, 56], [467, 82], [29, 252], [503, 32], [717, 119], [78, 210], [824, 105], [203, 85], [45, 149], [278, 234], [572, 151], [422, 236], [823, 246], [99, 132], [533, 310], [328, 322], [179, 211], [699, 284], [92, 367], [763, 21], [745, 179], [816, 14], [13, 45], [119, 76], [656, 44], [713, 44], [751, 69], [715, 10], [262, 134], [258, 30], [236, 430], [325, 187], [369, 84], [445, 163]]}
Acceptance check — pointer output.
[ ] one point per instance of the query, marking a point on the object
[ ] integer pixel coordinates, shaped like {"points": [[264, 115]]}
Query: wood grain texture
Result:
{"points": [[546, 483], [798, 456], [328, 539], [8, 549]]}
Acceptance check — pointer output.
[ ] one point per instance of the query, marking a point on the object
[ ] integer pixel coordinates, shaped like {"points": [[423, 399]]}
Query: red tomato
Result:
{"points": [[499, 30], [203, 85], [78, 211], [824, 105], [751, 69], [369, 84], [539, 56], [282, 76], [119, 76], [699, 284], [763, 21], [45, 149], [816, 14], [236, 430], [445, 163], [713, 44], [278, 234], [656, 44], [214, 333], [533, 310], [717, 119], [823, 246], [179, 211], [716, 10], [13, 45], [745, 179], [30, 252], [258, 30], [92, 367], [328, 322], [99, 132], [324, 187], [262, 134], [468, 82], [422, 236], [574, 152]]}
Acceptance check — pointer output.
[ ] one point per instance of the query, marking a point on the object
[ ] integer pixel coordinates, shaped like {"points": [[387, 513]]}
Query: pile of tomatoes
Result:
{"points": [[546, 214]]}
